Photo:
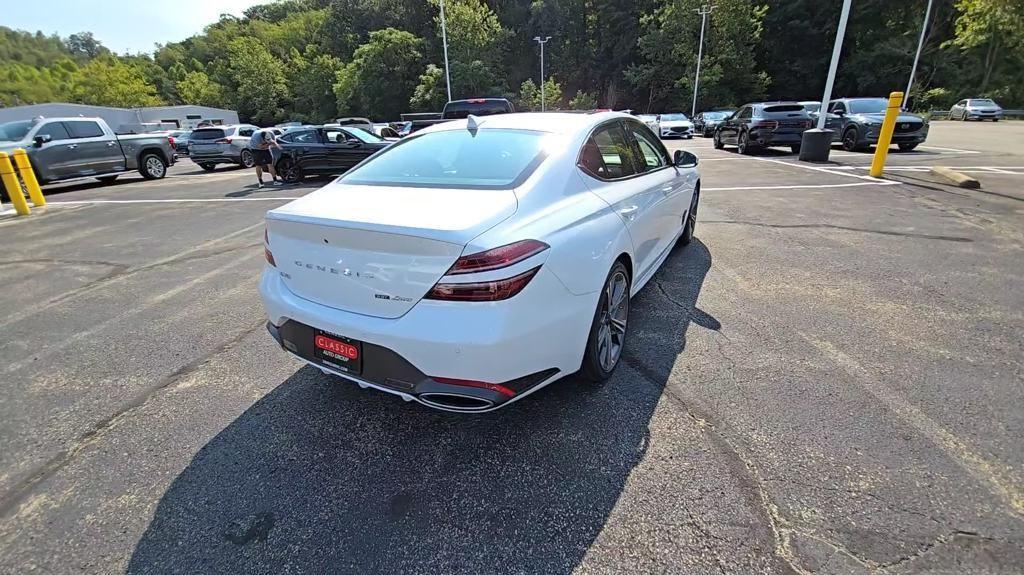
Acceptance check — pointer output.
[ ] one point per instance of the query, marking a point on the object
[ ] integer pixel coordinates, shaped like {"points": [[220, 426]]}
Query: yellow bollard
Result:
{"points": [[885, 138], [12, 184], [29, 177]]}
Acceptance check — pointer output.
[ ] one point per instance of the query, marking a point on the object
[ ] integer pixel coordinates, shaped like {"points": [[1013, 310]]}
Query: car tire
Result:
{"points": [[607, 338], [107, 179], [717, 141], [995, 119], [152, 166], [289, 171], [246, 160], [907, 146], [743, 145], [208, 167], [690, 219], [850, 140], [795, 148]]}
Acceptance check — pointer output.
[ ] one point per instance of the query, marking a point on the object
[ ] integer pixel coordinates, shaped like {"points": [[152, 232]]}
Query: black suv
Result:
{"points": [[704, 123], [763, 125], [857, 123]]}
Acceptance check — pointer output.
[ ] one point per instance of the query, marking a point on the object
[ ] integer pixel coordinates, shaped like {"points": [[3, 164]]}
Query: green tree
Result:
{"points": [[257, 81], [197, 88], [995, 30], [431, 93], [583, 101], [530, 95], [665, 74], [311, 77], [381, 77], [475, 41], [108, 81]]}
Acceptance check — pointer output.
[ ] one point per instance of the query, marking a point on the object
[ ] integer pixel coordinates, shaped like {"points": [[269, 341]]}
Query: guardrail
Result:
{"points": [[943, 114]]}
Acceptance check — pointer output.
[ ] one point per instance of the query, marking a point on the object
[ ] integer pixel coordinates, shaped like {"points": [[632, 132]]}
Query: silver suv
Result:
{"points": [[221, 145]]}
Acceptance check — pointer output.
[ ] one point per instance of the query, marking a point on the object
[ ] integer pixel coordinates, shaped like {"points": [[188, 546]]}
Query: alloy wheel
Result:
{"points": [[247, 159], [155, 167], [611, 333]]}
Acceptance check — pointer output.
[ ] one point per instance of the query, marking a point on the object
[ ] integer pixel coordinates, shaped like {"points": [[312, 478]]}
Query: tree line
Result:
{"points": [[312, 60]]}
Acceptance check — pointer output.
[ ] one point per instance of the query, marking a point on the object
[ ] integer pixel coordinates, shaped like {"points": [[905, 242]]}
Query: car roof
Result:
{"points": [[552, 122]]}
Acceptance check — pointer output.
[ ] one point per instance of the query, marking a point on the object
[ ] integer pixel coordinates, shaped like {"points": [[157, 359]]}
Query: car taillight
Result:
{"points": [[482, 291], [477, 384], [497, 258], [266, 248], [222, 141], [766, 124]]}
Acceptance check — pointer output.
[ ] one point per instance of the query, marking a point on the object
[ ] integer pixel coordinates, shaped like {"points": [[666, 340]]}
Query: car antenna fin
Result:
{"points": [[472, 124]]}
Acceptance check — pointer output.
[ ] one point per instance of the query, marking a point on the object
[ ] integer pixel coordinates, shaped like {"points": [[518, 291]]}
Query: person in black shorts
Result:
{"points": [[260, 144]]}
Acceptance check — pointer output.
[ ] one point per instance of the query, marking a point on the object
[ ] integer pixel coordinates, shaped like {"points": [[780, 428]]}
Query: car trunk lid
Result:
{"points": [[377, 250]]}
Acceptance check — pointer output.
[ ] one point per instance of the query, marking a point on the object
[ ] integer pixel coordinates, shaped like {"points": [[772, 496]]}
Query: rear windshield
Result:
{"points": [[207, 134], [454, 159], [868, 106], [457, 110], [784, 108]]}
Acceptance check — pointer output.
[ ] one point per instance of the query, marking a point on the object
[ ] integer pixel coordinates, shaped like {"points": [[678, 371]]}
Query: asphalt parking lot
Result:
{"points": [[829, 381]]}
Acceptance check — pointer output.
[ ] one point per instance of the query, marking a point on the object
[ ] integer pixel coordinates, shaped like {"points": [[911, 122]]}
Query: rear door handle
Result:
{"points": [[667, 189], [110, 144], [629, 212], [72, 146]]}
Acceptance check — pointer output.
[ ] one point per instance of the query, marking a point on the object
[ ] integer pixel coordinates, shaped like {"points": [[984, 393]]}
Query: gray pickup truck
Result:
{"points": [[68, 148]]}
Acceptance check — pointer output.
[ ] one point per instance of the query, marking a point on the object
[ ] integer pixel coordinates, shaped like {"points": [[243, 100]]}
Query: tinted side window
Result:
{"points": [[607, 155], [746, 112], [304, 137], [55, 130], [652, 152], [837, 107], [246, 132], [84, 129]]}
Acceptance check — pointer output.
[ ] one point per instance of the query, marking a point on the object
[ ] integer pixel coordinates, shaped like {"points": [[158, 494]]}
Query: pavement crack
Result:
{"points": [[844, 228], [743, 469], [930, 546], [10, 501]]}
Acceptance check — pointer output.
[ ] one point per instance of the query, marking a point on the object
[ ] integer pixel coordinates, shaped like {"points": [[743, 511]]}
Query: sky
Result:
{"points": [[122, 25]]}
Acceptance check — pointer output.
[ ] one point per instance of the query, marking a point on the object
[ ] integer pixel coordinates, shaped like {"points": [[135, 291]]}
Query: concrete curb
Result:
{"points": [[961, 180]]}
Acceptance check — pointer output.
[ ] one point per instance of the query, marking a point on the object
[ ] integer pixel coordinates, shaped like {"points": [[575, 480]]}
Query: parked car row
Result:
{"points": [[79, 147]]}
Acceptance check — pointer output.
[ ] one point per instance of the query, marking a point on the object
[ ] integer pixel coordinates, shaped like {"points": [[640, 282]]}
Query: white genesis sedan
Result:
{"points": [[471, 264]]}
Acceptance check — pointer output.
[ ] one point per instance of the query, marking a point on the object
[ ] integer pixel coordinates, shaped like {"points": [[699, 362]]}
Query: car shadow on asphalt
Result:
{"points": [[319, 476]]}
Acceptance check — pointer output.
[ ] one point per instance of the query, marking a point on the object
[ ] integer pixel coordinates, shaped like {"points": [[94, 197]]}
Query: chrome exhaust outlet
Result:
{"points": [[454, 401]]}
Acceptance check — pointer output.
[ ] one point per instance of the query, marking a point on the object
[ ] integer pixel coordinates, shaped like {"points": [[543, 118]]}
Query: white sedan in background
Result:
{"points": [[675, 126], [479, 260]]}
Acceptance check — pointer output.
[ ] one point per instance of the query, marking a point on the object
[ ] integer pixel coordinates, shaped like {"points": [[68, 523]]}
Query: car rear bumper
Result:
{"points": [[767, 139], [201, 158], [498, 351]]}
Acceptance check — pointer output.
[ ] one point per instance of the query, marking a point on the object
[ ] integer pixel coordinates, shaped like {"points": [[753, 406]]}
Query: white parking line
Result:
{"points": [[168, 201], [957, 150], [817, 169], [805, 186]]}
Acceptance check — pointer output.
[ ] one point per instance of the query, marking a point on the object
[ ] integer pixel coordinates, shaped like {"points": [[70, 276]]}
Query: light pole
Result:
{"points": [[816, 144], [917, 56], [703, 11], [541, 41], [836, 49], [444, 40]]}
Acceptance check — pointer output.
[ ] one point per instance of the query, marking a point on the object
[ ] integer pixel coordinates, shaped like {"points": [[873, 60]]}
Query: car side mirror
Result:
{"points": [[40, 140], [684, 159]]}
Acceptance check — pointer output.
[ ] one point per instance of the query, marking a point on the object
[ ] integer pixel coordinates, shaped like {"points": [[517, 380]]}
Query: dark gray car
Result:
{"points": [[857, 123]]}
